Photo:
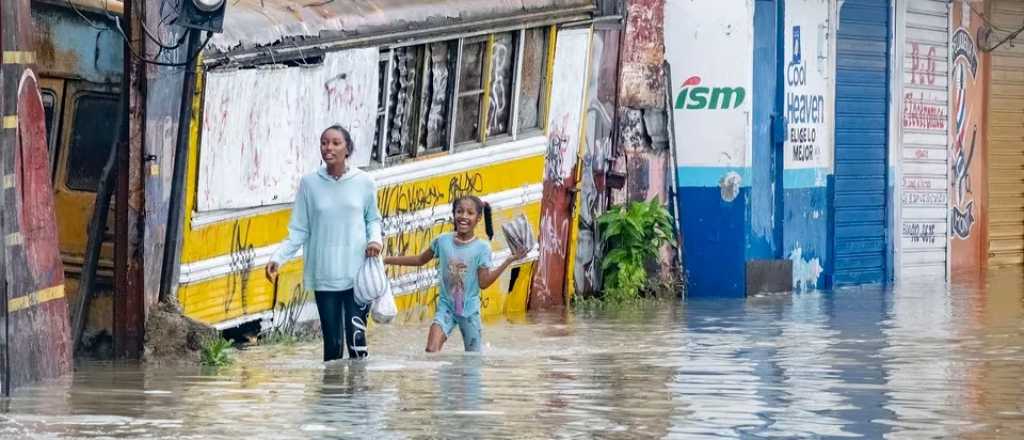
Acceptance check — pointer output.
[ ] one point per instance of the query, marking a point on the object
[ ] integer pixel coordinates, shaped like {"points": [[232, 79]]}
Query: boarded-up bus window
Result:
{"points": [[467, 126], [403, 99], [500, 96], [531, 89], [437, 79], [92, 134]]}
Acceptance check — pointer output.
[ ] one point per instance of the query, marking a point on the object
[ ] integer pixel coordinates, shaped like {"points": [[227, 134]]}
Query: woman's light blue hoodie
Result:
{"points": [[332, 220]]}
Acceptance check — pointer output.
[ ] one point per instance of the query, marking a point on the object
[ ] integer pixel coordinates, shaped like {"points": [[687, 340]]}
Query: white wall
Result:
{"points": [[710, 43], [808, 103]]}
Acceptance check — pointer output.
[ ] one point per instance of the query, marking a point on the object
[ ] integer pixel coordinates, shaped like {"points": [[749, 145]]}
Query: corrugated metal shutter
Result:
{"points": [[924, 153], [1006, 140], [862, 86]]}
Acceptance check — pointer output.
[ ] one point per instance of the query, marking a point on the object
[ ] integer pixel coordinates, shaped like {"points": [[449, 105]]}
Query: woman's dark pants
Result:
{"points": [[343, 323]]}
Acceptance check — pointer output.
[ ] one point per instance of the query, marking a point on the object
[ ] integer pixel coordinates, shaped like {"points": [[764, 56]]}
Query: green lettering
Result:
{"points": [[681, 99], [698, 98], [726, 97]]}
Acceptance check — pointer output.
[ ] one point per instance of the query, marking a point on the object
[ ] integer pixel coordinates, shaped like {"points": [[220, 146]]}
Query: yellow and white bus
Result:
{"points": [[442, 99]]}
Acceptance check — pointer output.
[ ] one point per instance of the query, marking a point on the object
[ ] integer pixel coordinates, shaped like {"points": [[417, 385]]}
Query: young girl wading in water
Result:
{"points": [[464, 269]]}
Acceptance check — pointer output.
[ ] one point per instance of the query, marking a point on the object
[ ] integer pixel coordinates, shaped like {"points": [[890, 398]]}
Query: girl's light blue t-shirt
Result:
{"points": [[333, 220], [457, 266]]}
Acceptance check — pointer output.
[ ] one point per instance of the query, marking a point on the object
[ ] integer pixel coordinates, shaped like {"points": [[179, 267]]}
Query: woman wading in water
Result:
{"points": [[336, 222]]}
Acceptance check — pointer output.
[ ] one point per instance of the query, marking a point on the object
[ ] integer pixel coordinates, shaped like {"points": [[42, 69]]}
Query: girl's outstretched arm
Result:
{"points": [[411, 260], [487, 276]]}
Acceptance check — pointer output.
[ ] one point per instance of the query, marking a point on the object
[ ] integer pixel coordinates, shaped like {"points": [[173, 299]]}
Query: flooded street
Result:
{"points": [[919, 361]]}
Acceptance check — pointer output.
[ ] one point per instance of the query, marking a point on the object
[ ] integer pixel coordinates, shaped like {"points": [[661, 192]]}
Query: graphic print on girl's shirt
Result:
{"points": [[458, 265]]}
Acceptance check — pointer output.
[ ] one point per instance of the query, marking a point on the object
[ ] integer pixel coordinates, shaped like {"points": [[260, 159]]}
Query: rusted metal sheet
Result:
{"points": [[643, 53], [254, 23], [163, 94], [36, 343], [569, 77], [102, 6], [70, 47], [129, 296]]}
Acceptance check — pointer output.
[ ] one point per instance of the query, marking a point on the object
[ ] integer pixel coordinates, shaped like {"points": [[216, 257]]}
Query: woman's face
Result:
{"points": [[333, 148]]}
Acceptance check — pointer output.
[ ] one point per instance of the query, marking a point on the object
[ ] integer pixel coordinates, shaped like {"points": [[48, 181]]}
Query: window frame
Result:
{"points": [[54, 86], [71, 98], [483, 138]]}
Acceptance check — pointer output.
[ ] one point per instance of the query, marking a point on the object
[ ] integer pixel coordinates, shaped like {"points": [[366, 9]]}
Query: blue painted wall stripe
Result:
{"points": [[709, 176], [805, 178]]}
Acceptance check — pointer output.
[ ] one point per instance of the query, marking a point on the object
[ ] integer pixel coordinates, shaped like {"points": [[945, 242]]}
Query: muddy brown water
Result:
{"points": [[916, 361]]}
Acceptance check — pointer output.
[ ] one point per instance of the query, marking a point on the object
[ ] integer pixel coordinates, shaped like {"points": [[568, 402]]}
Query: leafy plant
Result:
{"points": [[633, 235], [215, 352]]}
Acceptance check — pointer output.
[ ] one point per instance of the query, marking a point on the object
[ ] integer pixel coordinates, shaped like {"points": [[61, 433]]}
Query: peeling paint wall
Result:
{"points": [[262, 126], [709, 47], [599, 120], [568, 87], [643, 53], [808, 105], [641, 150], [163, 96], [34, 342], [69, 46]]}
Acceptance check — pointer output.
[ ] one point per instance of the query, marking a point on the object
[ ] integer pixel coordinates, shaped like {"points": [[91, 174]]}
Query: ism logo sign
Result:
{"points": [[693, 96]]}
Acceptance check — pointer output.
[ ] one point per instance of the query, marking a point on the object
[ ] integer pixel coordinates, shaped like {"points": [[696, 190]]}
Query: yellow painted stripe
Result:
{"points": [[19, 57], [35, 298], [549, 78], [9, 181], [11, 121]]}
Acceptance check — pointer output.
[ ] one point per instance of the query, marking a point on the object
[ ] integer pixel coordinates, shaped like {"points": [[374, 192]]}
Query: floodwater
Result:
{"points": [[917, 361]]}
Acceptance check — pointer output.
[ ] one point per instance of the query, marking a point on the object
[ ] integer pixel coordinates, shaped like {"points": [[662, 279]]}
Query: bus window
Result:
{"points": [[92, 133]]}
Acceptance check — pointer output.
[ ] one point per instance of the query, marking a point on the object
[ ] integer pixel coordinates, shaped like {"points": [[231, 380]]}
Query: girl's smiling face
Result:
{"points": [[333, 148], [465, 217]]}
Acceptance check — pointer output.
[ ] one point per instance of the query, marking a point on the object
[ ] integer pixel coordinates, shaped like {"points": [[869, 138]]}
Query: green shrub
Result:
{"points": [[633, 235], [215, 352]]}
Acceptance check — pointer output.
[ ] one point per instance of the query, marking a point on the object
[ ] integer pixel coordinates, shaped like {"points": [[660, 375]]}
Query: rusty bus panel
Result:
{"points": [[36, 344]]}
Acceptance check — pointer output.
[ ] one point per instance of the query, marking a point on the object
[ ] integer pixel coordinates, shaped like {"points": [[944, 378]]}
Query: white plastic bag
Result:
{"points": [[371, 281], [384, 308]]}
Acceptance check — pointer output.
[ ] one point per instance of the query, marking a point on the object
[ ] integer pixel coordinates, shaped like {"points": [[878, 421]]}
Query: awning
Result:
{"points": [[253, 26]]}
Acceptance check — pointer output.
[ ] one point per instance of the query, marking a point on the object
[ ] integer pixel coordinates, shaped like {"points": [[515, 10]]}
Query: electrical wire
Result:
{"points": [[984, 18], [124, 36], [1012, 35], [190, 60]]}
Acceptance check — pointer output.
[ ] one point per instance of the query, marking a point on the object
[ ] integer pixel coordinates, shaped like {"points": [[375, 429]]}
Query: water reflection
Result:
{"points": [[916, 361]]}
